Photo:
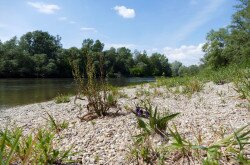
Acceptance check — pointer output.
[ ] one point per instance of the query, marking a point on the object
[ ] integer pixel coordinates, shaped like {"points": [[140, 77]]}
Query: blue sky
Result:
{"points": [[176, 28]]}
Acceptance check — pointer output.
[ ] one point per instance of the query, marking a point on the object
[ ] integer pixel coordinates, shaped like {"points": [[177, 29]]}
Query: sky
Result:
{"points": [[176, 28]]}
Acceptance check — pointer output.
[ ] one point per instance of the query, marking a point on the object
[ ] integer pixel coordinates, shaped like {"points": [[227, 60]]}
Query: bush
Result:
{"points": [[96, 92]]}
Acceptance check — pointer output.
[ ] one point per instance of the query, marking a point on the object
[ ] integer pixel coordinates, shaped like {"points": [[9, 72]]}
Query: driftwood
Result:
{"points": [[88, 117]]}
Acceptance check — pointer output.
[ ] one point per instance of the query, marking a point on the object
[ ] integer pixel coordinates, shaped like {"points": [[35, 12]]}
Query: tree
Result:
{"points": [[142, 64], [39, 42], [110, 60], [232, 44], [124, 61], [188, 71], [40, 61], [175, 66], [216, 43]]}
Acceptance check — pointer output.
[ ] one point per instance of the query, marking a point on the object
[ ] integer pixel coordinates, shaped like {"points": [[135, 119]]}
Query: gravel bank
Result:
{"points": [[107, 140]]}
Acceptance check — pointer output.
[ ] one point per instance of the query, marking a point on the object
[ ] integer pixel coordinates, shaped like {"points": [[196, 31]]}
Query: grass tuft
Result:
{"points": [[62, 99]]}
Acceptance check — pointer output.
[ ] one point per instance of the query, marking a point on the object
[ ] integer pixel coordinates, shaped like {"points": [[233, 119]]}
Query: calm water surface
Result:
{"points": [[14, 92]]}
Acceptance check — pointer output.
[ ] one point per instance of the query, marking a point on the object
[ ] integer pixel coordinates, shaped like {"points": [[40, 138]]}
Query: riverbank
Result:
{"points": [[16, 92], [108, 140]]}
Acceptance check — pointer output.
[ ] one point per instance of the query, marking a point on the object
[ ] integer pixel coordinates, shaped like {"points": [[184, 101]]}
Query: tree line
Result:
{"points": [[39, 54]]}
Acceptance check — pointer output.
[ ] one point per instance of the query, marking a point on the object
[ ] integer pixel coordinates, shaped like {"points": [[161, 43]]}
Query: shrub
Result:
{"points": [[96, 92]]}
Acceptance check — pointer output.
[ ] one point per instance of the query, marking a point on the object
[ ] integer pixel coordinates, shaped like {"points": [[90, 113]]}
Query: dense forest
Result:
{"points": [[39, 54]]}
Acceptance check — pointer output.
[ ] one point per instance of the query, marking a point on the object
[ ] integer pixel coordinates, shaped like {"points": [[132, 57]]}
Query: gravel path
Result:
{"points": [[107, 140]]}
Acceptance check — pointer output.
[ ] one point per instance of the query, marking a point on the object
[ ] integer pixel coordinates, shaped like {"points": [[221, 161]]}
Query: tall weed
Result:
{"points": [[96, 92]]}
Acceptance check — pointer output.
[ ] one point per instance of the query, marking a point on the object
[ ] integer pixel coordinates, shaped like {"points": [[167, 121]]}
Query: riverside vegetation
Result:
{"points": [[159, 138]]}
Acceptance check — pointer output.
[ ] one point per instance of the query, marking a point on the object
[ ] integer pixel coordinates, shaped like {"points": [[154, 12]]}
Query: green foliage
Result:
{"points": [[233, 145], [62, 99], [99, 95], [55, 125], [193, 86], [175, 66], [219, 76], [39, 54], [172, 82], [179, 143], [37, 148], [142, 92], [231, 149], [157, 123], [231, 44], [242, 84], [222, 75], [111, 99], [143, 152], [188, 71]]}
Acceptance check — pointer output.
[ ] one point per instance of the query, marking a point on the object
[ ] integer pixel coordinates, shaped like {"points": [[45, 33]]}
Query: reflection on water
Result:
{"points": [[15, 92]]}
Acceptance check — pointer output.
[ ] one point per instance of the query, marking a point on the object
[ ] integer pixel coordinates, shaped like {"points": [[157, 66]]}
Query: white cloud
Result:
{"points": [[44, 8], [89, 29], [124, 11], [62, 18], [188, 55], [119, 45]]}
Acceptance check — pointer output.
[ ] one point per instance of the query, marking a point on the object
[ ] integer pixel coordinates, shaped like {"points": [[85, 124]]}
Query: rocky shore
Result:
{"points": [[108, 140]]}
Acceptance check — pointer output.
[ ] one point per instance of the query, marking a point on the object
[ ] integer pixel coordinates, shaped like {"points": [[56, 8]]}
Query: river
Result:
{"points": [[15, 92]]}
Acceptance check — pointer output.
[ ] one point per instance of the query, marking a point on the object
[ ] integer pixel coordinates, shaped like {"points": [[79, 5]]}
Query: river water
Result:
{"points": [[14, 92]]}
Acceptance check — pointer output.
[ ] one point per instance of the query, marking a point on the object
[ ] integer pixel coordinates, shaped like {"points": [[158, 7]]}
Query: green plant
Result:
{"points": [[142, 92], [122, 94], [112, 100], [97, 158], [35, 148], [157, 93], [96, 92], [56, 126], [142, 151], [193, 86], [242, 84], [232, 148], [157, 123], [62, 99], [179, 144], [8, 145]]}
